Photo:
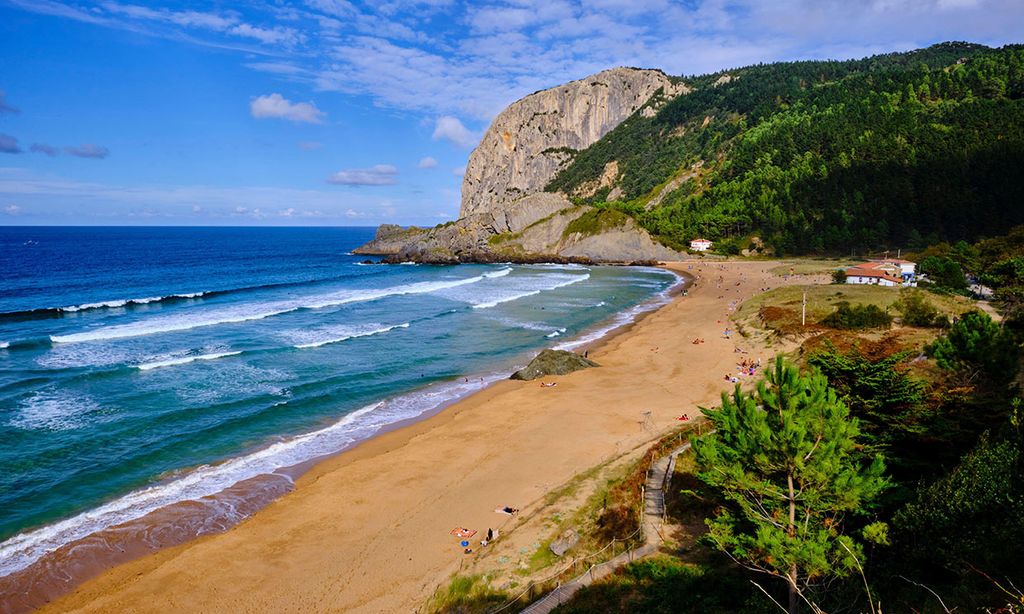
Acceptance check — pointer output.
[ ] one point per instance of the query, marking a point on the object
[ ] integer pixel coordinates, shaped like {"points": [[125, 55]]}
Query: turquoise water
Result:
{"points": [[142, 367]]}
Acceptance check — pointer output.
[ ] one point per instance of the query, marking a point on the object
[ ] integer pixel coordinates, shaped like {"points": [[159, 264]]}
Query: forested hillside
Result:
{"points": [[897, 150]]}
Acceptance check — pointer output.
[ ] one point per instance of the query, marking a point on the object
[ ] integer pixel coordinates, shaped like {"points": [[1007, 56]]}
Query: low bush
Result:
{"points": [[849, 316], [919, 312]]}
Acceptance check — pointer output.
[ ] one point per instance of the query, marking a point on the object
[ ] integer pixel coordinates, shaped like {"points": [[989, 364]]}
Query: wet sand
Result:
{"points": [[368, 530]]}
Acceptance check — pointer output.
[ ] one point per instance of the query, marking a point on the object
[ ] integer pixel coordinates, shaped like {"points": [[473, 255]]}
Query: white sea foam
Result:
{"points": [[556, 333], [94, 355], [53, 410], [24, 549], [524, 287], [622, 318], [554, 265], [170, 362], [259, 311], [505, 299], [129, 301], [498, 273], [352, 335], [4, 345]]}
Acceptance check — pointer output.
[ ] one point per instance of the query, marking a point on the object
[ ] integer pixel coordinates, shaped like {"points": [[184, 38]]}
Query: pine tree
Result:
{"points": [[785, 462]]}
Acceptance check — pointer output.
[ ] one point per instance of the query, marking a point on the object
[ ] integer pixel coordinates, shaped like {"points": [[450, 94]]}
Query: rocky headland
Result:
{"points": [[505, 214]]}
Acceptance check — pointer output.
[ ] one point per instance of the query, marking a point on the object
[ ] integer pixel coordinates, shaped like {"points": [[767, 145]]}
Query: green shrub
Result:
{"points": [[976, 347], [596, 221], [919, 312], [966, 521], [848, 316], [944, 274], [839, 276], [665, 584]]}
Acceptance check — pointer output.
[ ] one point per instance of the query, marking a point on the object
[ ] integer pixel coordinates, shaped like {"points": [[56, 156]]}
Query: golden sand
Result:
{"points": [[368, 530]]}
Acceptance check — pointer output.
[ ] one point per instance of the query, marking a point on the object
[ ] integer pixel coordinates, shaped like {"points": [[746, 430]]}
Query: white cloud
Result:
{"points": [[183, 18], [44, 149], [87, 150], [282, 69], [470, 60], [427, 162], [269, 36], [12, 209], [338, 8], [459, 171], [279, 107], [451, 129], [381, 174]]}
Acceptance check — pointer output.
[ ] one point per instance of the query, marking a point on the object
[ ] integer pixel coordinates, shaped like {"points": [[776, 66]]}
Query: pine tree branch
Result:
{"points": [[942, 603], [769, 596]]}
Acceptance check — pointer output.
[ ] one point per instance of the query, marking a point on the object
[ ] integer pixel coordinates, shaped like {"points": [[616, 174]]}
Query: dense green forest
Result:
{"points": [[896, 150]]}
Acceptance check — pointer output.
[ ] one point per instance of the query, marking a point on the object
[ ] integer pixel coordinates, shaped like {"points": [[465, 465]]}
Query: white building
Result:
{"points": [[907, 269], [866, 274], [700, 245]]}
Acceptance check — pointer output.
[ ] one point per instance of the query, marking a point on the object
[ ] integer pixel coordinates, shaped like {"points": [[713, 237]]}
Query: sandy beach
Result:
{"points": [[368, 530]]}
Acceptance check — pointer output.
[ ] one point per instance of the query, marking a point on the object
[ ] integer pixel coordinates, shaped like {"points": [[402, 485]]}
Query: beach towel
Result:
{"points": [[462, 532]]}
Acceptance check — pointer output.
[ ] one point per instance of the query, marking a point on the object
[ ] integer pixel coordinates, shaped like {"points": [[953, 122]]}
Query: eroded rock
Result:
{"points": [[553, 362]]}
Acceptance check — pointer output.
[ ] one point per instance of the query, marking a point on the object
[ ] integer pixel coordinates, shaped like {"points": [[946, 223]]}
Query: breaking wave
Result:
{"points": [[259, 311], [170, 362]]}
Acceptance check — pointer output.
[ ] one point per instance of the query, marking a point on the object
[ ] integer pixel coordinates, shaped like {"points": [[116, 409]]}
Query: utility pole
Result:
{"points": [[803, 311]]}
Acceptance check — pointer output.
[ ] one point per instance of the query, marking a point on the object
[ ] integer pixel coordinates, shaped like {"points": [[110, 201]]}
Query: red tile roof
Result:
{"points": [[869, 271]]}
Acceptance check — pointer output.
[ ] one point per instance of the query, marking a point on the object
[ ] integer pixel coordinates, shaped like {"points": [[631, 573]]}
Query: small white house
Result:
{"points": [[907, 269], [865, 275], [700, 245]]}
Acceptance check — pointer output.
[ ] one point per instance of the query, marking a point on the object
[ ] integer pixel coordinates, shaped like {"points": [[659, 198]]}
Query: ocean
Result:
{"points": [[144, 367]]}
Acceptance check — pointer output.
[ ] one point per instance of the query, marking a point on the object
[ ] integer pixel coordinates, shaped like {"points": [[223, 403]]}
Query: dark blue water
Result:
{"points": [[140, 367]]}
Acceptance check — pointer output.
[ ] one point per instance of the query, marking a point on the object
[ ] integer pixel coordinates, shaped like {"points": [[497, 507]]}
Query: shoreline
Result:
{"points": [[397, 493], [59, 572]]}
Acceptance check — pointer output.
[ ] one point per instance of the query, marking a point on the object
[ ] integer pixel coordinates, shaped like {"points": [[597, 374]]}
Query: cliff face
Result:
{"points": [[505, 214], [530, 140]]}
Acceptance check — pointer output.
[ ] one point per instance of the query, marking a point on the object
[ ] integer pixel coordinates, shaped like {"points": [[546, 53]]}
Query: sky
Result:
{"points": [[345, 113]]}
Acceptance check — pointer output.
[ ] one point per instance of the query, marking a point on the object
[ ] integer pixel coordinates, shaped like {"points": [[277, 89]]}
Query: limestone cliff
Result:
{"points": [[530, 140], [506, 216]]}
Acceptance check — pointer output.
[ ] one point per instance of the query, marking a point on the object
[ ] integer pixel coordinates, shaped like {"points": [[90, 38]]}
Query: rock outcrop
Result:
{"points": [[530, 140], [506, 216], [553, 362], [537, 228], [390, 239]]}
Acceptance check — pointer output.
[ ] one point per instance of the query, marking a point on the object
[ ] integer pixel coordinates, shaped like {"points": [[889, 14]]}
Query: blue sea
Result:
{"points": [[143, 367]]}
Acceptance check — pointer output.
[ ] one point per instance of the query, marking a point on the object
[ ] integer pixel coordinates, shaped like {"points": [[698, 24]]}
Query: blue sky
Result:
{"points": [[337, 112]]}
